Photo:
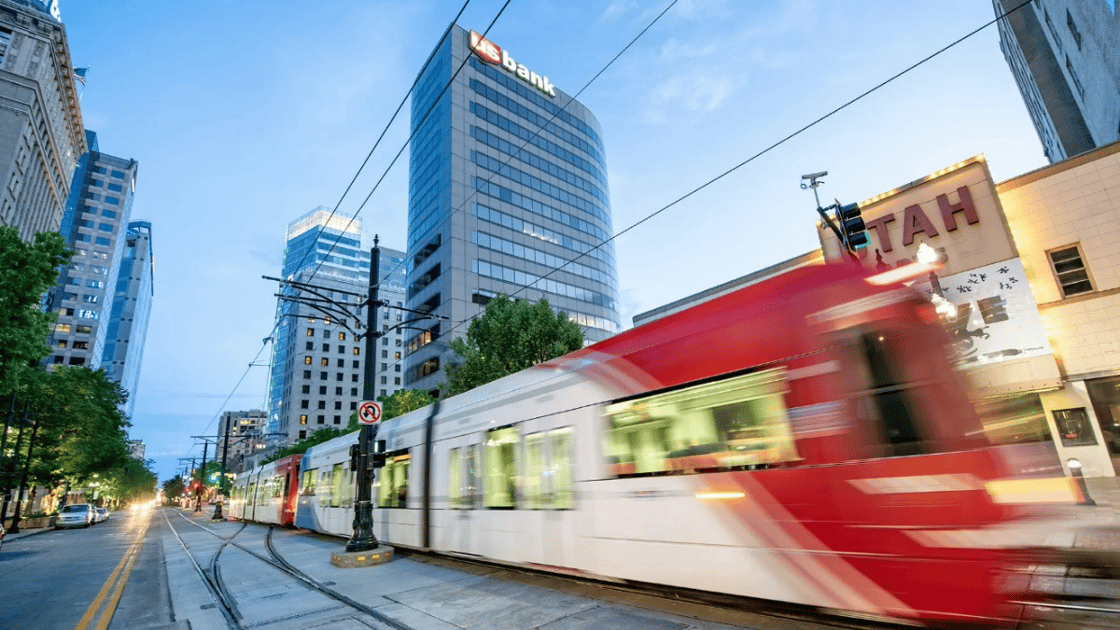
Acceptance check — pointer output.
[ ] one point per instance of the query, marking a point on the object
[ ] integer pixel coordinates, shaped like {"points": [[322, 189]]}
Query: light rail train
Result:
{"points": [[803, 440]]}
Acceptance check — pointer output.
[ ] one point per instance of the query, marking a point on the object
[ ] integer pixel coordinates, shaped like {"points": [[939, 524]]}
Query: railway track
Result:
{"points": [[279, 597]]}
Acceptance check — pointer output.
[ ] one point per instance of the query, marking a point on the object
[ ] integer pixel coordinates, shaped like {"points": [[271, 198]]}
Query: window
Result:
{"points": [[548, 470], [322, 390], [336, 485], [303, 434], [109, 214], [117, 174], [353, 391], [384, 380], [338, 419], [341, 363], [1073, 30], [304, 404], [77, 361], [326, 333], [501, 468], [338, 405], [307, 482], [1076, 79], [341, 349], [105, 227], [1073, 427], [307, 360], [62, 328], [355, 364], [307, 374], [320, 419], [326, 347], [397, 381], [322, 404], [462, 477], [310, 345], [80, 345], [384, 354], [392, 481], [324, 362], [338, 376], [322, 376], [303, 419], [1070, 270], [739, 423], [310, 332], [306, 389], [61, 343], [356, 351], [101, 240], [384, 367], [354, 378], [342, 336], [116, 188]]}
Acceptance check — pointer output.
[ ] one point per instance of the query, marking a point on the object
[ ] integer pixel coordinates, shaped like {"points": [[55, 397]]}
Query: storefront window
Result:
{"points": [[1073, 426], [1105, 396], [1018, 419]]}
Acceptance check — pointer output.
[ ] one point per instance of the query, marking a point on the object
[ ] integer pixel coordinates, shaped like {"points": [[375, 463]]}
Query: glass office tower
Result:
{"points": [[507, 182]]}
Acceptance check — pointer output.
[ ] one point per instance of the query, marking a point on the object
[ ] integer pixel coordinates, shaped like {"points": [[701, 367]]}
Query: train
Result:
{"points": [[804, 440]]}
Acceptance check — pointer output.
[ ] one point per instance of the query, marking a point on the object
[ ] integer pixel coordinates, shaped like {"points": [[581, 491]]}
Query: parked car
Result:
{"points": [[102, 514], [75, 515]]}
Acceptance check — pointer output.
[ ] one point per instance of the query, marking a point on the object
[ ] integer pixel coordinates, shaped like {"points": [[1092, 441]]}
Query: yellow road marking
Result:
{"points": [[118, 578]]}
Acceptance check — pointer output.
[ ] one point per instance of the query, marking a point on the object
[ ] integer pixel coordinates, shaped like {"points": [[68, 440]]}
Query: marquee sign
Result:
{"points": [[490, 52]]}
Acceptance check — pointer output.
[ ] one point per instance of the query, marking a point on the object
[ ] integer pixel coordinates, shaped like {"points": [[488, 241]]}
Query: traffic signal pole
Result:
{"points": [[363, 538]]}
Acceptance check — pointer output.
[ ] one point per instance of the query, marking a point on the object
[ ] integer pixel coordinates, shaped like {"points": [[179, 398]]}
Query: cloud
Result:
{"points": [[675, 49], [690, 94]]}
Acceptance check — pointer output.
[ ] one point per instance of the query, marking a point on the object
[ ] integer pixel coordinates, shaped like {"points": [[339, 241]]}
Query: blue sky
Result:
{"points": [[245, 115]]}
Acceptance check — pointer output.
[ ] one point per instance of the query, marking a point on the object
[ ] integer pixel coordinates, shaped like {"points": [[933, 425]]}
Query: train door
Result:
{"points": [[547, 472], [464, 494]]}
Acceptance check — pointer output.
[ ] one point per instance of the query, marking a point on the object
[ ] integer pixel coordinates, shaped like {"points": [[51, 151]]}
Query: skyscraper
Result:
{"points": [[94, 225], [1063, 54], [317, 363], [507, 181], [127, 328], [41, 130]]}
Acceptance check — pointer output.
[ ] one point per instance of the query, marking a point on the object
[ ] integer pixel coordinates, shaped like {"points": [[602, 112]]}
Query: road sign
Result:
{"points": [[369, 412]]}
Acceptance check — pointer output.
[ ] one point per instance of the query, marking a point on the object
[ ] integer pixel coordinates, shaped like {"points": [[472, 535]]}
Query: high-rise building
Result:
{"points": [[240, 435], [136, 449], [317, 361], [1063, 54], [127, 328], [507, 182], [41, 131], [95, 225]]}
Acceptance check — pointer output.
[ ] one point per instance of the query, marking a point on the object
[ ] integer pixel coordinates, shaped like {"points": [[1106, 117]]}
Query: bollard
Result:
{"points": [[1075, 471]]}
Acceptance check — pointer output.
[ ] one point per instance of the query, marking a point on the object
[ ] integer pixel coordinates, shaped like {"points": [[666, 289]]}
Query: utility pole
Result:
{"points": [[201, 480], [363, 538]]}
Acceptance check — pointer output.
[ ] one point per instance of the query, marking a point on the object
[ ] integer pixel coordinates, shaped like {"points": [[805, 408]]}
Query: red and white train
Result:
{"points": [[802, 440]]}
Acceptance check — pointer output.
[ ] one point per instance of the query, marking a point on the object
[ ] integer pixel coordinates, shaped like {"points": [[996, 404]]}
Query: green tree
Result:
{"points": [[300, 447], [131, 482], [27, 270], [173, 488], [403, 401], [509, 336]]}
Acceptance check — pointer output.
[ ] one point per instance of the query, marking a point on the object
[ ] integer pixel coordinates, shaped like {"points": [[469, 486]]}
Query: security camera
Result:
{"points": [[815, 175]]}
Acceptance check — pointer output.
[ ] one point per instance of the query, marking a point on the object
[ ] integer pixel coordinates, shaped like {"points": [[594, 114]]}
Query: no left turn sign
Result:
{"points": [[369, 412]]}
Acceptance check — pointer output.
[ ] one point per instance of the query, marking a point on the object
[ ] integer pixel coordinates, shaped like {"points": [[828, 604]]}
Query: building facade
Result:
{"points": [[507, 184], [318, 358], [241, 434], [1063, 56], [127, 328], [95, 226], [41, 131]]}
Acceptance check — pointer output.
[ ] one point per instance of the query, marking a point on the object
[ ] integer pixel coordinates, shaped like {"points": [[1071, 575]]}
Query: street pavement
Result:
{"points": [[430, 593]]}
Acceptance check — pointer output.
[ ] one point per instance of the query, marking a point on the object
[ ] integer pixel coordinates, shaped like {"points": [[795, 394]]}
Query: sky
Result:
{"points": [[245, 115]]}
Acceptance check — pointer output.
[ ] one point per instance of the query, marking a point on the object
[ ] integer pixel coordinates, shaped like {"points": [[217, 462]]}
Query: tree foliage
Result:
{"points": [[403, 401], [131, 482], [509, 336], [173, 488], [300, 447], [27, 270]]}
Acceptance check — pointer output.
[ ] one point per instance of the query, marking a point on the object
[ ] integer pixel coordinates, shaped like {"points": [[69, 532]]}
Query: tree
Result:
{"points": [[131, 482], [300, 447], [27, 270], [173, 488], [403, 401], [509, 336]]}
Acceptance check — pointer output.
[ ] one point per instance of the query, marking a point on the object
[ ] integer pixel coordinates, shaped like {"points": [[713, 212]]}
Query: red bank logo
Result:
{"points": [[491, 52]]}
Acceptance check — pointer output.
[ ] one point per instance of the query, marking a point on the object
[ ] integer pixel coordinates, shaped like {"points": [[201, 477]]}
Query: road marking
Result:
{"points": [[115, 583]]}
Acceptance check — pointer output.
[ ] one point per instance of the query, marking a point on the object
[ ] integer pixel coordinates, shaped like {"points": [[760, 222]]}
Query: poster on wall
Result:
{"points": [[997, 319]]}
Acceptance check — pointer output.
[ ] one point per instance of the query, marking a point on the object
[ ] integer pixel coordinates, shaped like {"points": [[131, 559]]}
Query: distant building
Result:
{"points": [[136, 449], [317, 363], [127, 327], [41, 130], [95, 226], [243, 432], [507, 183], [1064, 55]]}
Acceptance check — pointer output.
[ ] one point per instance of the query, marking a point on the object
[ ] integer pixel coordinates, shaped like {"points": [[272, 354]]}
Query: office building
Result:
{"points": [[507, 183], [318, 358], [136, 449], [127, 327], [240, 435], [1063, 54], [41, 131], [95, 226]]}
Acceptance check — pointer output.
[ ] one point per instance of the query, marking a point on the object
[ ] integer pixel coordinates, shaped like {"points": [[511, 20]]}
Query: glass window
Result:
{"points": [[307, 360], [392, 490], [101, 240], [342, 336], [310, 332], [736, 423], [1070, 269], [336, 485], [307, 482], [109, 214], [454, 478], [1074, 428], [324, 489], [501, 468]]}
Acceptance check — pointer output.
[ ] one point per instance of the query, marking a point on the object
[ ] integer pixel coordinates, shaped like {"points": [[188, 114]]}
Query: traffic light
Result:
{"points": [[377, 457], [852, 227]]}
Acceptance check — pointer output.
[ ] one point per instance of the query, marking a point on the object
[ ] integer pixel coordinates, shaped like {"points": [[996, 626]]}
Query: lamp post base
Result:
{"points": [[353, 559]]}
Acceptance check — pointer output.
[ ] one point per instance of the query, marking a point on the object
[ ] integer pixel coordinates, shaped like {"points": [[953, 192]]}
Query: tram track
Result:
{"points": [[228, 603]]}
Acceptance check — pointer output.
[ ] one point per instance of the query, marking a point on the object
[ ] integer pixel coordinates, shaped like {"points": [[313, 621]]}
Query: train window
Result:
{"points": [[548, 470], [462, 477], [277, 486], [349, 482], [325, 488], [392, 489], [336, 485], [252, 493], [738, 423], [501, 468], [307, 484], [454, 479], [888, 394]]}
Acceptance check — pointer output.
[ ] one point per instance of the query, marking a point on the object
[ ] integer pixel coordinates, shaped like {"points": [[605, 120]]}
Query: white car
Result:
{"points": [[75, 515]]}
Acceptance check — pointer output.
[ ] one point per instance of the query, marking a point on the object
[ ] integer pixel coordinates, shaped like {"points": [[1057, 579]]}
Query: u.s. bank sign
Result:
{"points": [[492, 53]]}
